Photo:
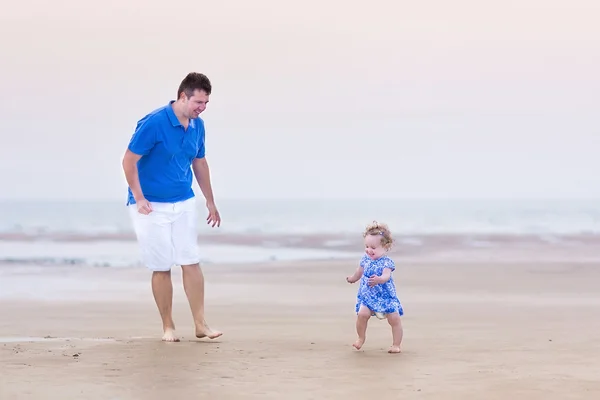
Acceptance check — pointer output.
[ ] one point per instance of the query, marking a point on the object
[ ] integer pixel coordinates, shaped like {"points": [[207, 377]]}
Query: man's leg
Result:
{"points": [[193, 284], [153, 232], [185, 241], [162, 289]]}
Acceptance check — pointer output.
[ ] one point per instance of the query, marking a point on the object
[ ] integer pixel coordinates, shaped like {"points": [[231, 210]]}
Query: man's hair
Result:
{"points": [[194, 81]]}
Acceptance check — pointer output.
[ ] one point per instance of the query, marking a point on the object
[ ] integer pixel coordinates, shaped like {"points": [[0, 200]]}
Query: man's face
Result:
{"points": [[195, 104]]}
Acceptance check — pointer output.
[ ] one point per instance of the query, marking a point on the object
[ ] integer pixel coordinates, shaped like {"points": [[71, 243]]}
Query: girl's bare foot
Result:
{"points": [[170, 336], [394, 349], [359, 343]]}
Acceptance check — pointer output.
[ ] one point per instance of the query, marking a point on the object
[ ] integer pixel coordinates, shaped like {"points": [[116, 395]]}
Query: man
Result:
{"points": [[165, 144]]}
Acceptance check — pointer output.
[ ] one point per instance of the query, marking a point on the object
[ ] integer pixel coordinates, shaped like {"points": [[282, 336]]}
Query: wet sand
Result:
{"points": [[472, 331]]}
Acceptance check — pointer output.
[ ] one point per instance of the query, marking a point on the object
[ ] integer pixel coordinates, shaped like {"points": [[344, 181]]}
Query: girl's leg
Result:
{"points": [[361, 326], [397, 332]]}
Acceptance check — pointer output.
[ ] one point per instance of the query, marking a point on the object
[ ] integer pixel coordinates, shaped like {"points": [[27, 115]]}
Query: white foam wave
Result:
{"points": [[125, 254]]}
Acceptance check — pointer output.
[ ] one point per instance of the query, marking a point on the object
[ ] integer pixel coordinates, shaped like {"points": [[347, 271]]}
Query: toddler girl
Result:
{"points": [[376, 291]]}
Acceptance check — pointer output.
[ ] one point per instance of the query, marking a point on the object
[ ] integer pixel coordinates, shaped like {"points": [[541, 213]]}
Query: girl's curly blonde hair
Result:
{"points": [[382, 230]]}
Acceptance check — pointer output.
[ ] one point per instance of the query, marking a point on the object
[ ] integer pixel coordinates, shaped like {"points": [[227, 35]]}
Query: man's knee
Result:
{"points": [[190, 267], [185, 235], [185, 249], [156, 261]]}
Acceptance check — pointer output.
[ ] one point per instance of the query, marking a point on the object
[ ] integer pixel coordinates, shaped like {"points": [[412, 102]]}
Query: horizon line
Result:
{"points": [[292, 199]]}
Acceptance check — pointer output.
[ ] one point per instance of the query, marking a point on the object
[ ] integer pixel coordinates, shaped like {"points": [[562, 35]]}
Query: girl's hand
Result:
{"points": [[349, 279], [374, 280]]}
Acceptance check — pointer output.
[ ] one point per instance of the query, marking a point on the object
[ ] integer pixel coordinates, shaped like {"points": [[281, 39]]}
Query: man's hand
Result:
{"points": [[143, 206], [213, 215]]}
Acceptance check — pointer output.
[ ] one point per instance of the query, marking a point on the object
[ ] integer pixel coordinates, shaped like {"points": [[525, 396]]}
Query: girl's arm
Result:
{"points": [[378, 280], [386, 275], [356, 276]]}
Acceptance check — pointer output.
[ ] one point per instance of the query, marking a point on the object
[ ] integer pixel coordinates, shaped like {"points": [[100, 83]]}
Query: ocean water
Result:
{"points": [[30, 232], [407, 217]]}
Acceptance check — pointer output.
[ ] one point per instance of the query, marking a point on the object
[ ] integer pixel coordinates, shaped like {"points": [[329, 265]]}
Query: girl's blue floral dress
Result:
{"points": [[382, 298]]}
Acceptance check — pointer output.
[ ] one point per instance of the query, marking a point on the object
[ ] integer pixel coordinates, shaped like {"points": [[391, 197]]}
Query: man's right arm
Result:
{"points": [[142, 142], [130, 160]]}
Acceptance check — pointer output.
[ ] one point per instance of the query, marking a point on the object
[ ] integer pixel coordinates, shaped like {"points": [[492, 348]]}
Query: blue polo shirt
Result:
{"points": [[167, 151]]}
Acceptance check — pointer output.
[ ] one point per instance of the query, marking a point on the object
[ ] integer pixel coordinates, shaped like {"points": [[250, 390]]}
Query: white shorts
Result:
{"points": [[168, 235]]}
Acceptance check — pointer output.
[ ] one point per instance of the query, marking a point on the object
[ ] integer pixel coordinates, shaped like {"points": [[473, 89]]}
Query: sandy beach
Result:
{"points": [[472, 331]]}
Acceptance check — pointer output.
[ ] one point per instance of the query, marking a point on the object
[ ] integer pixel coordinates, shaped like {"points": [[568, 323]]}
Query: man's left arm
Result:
{"points": [[202, 174]]}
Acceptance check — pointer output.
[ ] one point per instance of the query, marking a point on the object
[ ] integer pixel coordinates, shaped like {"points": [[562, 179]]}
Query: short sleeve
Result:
{"points": [[201, 148], [201, 151], [389, 263], [144, 137], [363, 260]]}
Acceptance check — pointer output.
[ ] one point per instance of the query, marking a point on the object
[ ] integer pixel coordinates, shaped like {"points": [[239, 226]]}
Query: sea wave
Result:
{"points": [[322, 216], [110, 253]]}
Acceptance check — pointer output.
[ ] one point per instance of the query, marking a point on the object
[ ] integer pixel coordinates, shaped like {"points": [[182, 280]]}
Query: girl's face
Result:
{"points": [[373, 246]]}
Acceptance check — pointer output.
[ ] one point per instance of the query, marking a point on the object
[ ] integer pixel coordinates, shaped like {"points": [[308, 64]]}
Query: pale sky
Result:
{"points": [[330, 99]]}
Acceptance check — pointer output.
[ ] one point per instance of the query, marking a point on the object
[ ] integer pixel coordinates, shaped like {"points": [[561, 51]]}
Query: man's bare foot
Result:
{"points": [[359, 343], [394, 349], [170, 336], [205, 331]]}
